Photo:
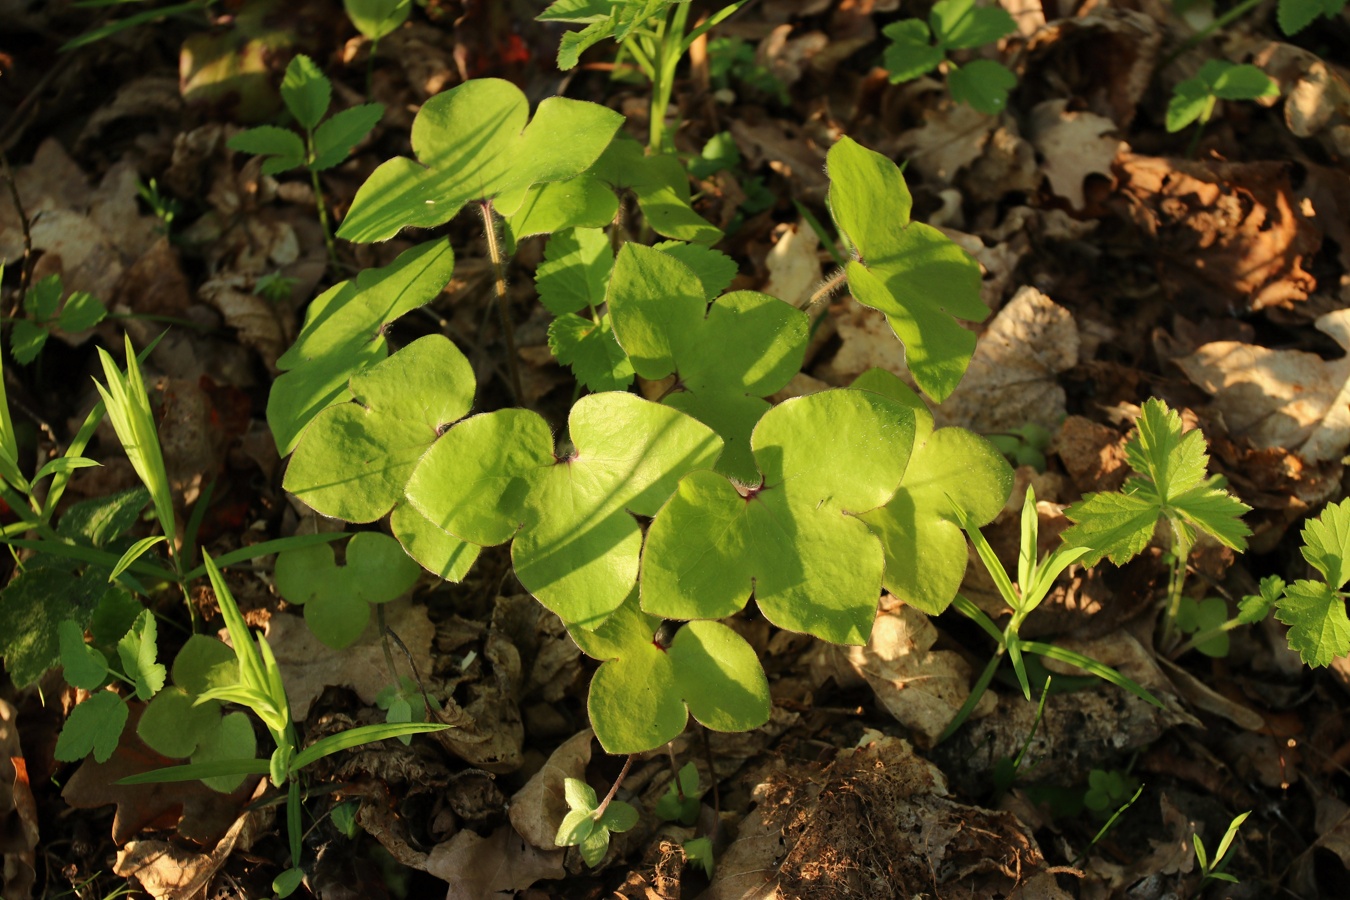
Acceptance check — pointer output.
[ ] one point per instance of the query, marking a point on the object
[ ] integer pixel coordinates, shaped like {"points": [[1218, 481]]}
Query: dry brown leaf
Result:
{"points": [[921, 687], [253, 317], [1105, 55], [794, 265], [495, 867], [538, 808], [308, 666], [50, 182], [1202, 696], [1290, 399], [1075, 144], [1011, 380], [866, 342], [18, 812], [951, 138], [1317, 98], [786, 150]]}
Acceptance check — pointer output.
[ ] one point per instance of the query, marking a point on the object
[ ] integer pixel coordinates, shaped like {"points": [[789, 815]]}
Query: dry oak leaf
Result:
{"points": [[1232, 235], [1011, 380], [1075, 144], [1291, 399], [951, 138]]}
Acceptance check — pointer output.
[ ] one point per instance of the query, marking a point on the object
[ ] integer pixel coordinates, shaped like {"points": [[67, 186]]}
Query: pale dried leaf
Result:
{"points": [[1075, 144], [794, 265], [538, 808]]}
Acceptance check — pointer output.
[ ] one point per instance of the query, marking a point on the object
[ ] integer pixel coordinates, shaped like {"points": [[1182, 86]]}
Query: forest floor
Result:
{"points": [[1121, 261]]}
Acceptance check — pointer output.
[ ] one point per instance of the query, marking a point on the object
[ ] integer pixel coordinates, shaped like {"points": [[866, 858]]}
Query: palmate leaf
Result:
{"points": [[726, 358], [335, 138], [581, 202], [913, 273], [137, 650], [495, 478], [575, 271], [1326, 543], [92, 727], [589, 348], [642, 695], [473, 143], [794, 539], [983, 85], [661, 186], [1175, 486], [1318, 627]]}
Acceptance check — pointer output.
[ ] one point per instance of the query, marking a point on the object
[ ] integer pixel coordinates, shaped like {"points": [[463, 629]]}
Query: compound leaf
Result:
{"points": [[1296, 15], [1255, 607], [334, 139], [82, 665], [910, 54], [306, 91], [575, 270], [794, 539], [92, 727], [26, 341], [983, 85], [354, 459], [336, 598], [661, 186], [589, 348], [41, 301], [473, 143], [950, 471], [1326, 543], [81, 312], [344, 333], [137, 650], [1318, 627], [913, 273], [495, 477], [961, 25], [725, 358], [284, 147]]}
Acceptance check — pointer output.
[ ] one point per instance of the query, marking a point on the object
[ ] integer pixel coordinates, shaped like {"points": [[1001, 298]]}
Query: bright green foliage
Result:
{"points": [[92, 727], [80, 312], [715, 270], [725, 358], [586, 826], [344, 334], [699, 852], [642, 694], [472, 143], [794, 537], [354, 459], [442, 554], [1315, 610], [1296, 15], [917, 48], [603, 19], [337, 598], [581, 202], [680, 801], [1171, 484], [589, 348], [1255, 607], [495, 477], [661, 187], [1217, 80], [735, 61], [404, 702], [573, 278], [1108, 789], [1194, 616], [910, 271], [950, 469], [1215, 869], [377, 19], [137, 650], [307, 95]]}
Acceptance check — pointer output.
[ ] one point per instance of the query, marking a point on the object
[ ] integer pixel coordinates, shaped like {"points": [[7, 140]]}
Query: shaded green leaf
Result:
{"points": [[335, 138], [1326, 543], [983, 85], [81, 312], [581, 202], [961, 25], [82, 666], [306, 92], [575, 271], [1254, 607], [910, 55], [285, 147], [26, 340], [92, 727], [661, 186]]}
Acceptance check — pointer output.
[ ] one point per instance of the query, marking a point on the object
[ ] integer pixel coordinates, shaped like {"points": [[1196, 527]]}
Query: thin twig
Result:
{"points": [[614, 789], [25, 268]]}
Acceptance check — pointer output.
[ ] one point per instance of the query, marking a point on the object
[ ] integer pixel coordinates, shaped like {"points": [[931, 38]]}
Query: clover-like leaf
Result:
{"points": [[473, 143], [92, 727], [1201, 615], [983, 85], [174, 723], [495, 477], [575, 271], [794, 539], [344, 333], [726, 358], [951, 470], [354, 459], [643, 694], [715, 270], [306, 91], [232, 738], [590, 349], [661, 186], [439, 552], [680, 802], [1174, 486], [910, 54], [581, 202], [337, 598], [137, 650], [910, 271], [335, 138]]}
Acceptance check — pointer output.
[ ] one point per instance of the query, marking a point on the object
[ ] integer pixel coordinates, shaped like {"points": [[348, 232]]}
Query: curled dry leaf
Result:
{"points": [[1291, 399], [538, 808]]}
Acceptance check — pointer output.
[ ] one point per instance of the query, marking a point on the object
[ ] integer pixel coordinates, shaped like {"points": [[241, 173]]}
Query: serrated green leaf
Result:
{"points": [[1191, 99], [579, 11], [377, 19], [950, 469], [581, 202], [1244, 82], [1326, 543], [81, 312], [715, 270], [910, 271], [590, 350], [726, 357], [104, 519], [619, 817], [43, 297], [1112, 525], [137, 650], [494, 478], [353, 460], [306, 91], [473, 143], [794, 539], [1318, 627], [285, 147], [910, 55], [983, 85], [575, 43], [82, 666], [661, 186], [344, 334], [1255, 607], [335, 138], [961, 25], [337, 598], [575, 271], [26, 340], [439, 552], [1296, 15], [92, 727], [32, 607]]}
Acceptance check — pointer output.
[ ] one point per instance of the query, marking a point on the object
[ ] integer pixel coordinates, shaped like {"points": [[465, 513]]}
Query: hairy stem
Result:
{"points": [[829, 286], [614, 788], [1181, 550], [499, 294]]}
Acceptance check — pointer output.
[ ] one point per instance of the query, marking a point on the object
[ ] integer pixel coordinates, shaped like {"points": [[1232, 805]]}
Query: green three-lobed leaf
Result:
{"points": [[1315, 611]]}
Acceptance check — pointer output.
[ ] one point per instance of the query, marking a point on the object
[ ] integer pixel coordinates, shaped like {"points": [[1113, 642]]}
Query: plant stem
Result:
{"points": [[614, 788], [1201, 636], [1218, 24], [499, 292], [1181, 550], [830, 285], [370, 67], [318, 200], [384, 642]]}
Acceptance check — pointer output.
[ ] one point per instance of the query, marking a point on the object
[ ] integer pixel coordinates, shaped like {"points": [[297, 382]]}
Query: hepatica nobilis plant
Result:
{"points": [[644, 524]]}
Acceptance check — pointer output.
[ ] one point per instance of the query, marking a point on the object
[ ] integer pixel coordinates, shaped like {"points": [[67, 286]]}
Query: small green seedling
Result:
{"points": [[917, 48], [680, 802], [337, 599], [1110, 823], [275, 287], [165, 207], [1214, 869], [1007, 768], [376, 19], [1200, 617], [308, 95], [589, 822], [1024, 446], [80, 312], [733, 61], [699, 852], [405, 702], [1315, 610], [1195, 98], [1108, 789]]}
